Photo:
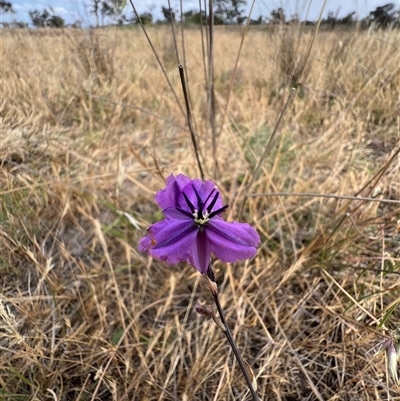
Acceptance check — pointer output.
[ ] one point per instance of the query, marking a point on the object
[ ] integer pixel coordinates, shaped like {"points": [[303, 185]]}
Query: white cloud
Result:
{"points": [[61, 10]]}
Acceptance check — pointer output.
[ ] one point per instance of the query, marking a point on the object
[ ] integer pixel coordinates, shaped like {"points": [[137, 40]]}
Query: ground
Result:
{"points": [[91, 128]]}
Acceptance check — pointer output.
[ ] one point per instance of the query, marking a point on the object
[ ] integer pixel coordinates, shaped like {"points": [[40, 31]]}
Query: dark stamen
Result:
{"points": [[209, 196], [222, 209], [199, 201], [212, 204], [185, 212], [190, 204]]}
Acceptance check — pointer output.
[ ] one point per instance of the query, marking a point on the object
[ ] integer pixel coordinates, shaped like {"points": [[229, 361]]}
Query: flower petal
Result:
{"points": [[170, 240], [232, 241], [145, 243], [201, 254], [175, 213], [169, 196], [204, 188]]}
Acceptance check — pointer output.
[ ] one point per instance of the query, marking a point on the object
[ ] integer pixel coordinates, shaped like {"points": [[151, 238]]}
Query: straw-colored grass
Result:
{"points": [[89, 131]]}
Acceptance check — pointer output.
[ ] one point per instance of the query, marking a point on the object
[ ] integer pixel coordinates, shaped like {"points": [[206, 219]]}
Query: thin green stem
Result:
{"points": [[230, 339]]}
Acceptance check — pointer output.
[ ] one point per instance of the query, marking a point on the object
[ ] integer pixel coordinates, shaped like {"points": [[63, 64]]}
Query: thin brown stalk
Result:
{"points": [[157, 58], [203, 50], [225, 329], [316, 195], [266, 150], [184, 60], [174, 34], [235, 350], [373, 182], [211, 94], [235, 68], [189, 120], [312, 42], [141, 109]]}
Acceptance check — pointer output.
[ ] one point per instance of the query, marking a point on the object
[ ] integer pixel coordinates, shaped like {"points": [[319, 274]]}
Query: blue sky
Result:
{"points": [[72, 10]]}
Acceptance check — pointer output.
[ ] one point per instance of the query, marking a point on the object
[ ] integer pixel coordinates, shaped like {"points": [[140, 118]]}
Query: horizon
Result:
{"points": [[71, 10]]}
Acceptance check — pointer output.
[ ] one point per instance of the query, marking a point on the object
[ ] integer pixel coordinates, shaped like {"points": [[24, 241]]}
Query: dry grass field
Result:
{"points": [[89, 131]]}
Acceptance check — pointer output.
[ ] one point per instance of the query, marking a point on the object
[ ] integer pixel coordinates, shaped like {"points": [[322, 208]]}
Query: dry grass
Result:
{"points": [[84, 316]]}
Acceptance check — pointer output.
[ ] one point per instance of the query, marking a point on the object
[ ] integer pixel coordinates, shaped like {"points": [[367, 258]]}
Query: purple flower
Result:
{"points": [[193, 227]]}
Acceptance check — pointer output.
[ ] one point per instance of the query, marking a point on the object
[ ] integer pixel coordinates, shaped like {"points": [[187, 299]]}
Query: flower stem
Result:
{"points": [[230, 339]]}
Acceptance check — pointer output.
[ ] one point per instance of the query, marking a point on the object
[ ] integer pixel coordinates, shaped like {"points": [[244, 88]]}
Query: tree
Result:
{"points": [[77, 24], [109, 8], [278, 16], [146, 18], [383, 16], [6, 7], [347, 20], [39, 18], [241, 20], [95, 10], [294, 20], [14, 25], [195, 17], [331, 20], [46, 18], [218, 20], [168, 13], [55, 21], [229, 10], [114, 9]]}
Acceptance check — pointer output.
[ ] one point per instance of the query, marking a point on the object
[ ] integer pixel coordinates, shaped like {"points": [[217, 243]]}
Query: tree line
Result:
{"points": [[226, 12]]}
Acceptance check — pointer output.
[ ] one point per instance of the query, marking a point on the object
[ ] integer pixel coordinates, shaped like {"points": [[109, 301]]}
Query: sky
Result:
{"points": [[72, 10]]}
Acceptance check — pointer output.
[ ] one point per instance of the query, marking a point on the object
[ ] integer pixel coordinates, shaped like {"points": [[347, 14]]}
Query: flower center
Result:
{"points": [[202, 215], [201, 219]]}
